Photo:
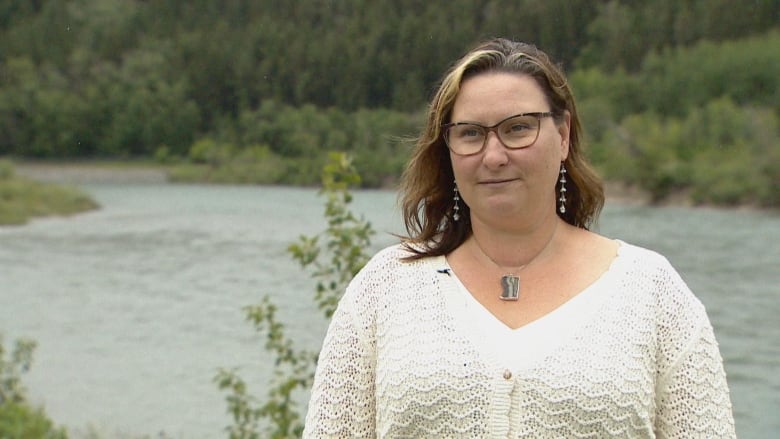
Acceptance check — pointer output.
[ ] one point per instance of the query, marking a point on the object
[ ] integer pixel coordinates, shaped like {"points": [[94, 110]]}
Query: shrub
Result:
{"points": [[18, 420], [724, 153], [332, 263], [6, 170]]}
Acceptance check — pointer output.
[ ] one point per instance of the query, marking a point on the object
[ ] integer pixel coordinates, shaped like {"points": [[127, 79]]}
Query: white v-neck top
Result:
{"points": [[519, 348], [409, 353]]}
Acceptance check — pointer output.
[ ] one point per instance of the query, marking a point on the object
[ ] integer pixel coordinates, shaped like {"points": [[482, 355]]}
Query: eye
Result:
{"points": [[518, 127], [467, 132]]}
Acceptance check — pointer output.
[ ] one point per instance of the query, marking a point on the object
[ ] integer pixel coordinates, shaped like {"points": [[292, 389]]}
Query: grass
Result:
{"points": [[22, 199]]}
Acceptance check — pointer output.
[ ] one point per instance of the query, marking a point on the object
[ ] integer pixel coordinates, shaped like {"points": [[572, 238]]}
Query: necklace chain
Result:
{"points": [[484, 253], [510, 282]]}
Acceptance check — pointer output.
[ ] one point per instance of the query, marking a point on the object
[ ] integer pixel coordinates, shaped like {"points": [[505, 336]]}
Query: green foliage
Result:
{"points": [[333, 257], [148, 108], [163, 155], [346, 237], [20, 421], [218, 162], [17, 419], [723, 153], [283, 144], [275, 85], [21, 198], [746, 71], [655, 168], [741, 70], [106, 77], [666, 130], [736, 154], [622, 32], [208, 151], [12, 368], [6, 170]]}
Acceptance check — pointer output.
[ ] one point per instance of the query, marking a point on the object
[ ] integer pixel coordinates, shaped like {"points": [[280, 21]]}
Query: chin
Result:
{"points": [[505, 207]]}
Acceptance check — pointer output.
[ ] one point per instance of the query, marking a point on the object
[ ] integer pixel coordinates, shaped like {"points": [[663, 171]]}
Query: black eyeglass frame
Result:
{"points": [[539, 115]]}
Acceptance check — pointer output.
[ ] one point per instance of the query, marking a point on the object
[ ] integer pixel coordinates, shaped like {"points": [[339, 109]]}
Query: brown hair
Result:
{"points": [[427, 185]]}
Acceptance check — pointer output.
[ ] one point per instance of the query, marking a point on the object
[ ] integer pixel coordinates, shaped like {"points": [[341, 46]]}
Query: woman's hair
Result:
{"points": [[428, 184]]}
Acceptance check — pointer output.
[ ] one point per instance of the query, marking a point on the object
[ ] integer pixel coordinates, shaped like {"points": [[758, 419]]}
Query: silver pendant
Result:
{"points": [[510, 286]]}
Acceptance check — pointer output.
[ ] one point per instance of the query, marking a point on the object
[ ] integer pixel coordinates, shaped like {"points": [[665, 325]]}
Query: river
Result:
{"points": [[135, 306]]}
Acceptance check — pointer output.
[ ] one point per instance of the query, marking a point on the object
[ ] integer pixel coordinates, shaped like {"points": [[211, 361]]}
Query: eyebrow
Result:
{"points": [[528, 113]]}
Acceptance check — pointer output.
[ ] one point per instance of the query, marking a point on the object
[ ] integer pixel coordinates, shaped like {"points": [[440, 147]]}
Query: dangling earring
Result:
{"points": [[562, 199], [456, 214]]}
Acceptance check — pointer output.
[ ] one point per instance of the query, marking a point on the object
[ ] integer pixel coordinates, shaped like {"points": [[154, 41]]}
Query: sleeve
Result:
{"points": [[692, 395], [342, 400]]}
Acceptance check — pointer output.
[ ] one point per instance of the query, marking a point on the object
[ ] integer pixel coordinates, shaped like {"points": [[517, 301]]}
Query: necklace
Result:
{"points": [[510, 282]]}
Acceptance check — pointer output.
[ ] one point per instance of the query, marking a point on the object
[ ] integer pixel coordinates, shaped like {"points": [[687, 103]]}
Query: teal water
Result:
{"points": [[136, 306]]}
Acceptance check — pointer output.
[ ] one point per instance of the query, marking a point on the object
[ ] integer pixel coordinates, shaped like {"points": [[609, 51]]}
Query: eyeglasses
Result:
{"points": [[514, 132]]}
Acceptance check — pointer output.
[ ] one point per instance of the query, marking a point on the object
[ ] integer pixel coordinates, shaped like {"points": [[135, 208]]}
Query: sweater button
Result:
{"points": [[507, 374]]}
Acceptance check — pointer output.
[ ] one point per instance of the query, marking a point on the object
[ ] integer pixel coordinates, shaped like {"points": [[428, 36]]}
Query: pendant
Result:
{"points": [[510, 285]]}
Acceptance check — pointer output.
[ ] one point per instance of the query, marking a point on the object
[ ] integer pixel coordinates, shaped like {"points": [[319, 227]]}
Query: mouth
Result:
{"points": [[497, 181]]}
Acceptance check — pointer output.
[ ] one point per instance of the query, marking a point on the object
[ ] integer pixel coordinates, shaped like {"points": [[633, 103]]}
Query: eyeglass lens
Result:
{"points": [[514, 133]]}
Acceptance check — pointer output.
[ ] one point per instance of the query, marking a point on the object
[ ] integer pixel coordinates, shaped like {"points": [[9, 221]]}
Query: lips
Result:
{"points": [[496, 181]]}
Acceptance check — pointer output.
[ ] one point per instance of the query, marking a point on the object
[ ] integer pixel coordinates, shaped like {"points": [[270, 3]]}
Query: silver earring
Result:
{"points": [[456, 214], [562, 199]]}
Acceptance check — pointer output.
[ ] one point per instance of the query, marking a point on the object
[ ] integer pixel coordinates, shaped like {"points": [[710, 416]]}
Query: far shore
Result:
{"points": [[89, 172], [150, 173]]}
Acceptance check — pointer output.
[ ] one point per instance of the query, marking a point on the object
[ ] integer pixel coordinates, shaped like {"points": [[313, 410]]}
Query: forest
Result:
{"points": [[677, 96]]}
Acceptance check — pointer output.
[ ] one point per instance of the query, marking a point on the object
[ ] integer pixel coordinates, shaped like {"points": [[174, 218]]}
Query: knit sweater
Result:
{"points": [[400, 360]]}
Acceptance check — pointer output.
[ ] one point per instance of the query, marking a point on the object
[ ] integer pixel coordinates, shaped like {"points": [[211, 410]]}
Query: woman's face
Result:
{"points": [[501, 185]]}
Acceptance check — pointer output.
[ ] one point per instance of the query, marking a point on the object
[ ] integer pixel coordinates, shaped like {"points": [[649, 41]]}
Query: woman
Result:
{"points": [[502, 315]]}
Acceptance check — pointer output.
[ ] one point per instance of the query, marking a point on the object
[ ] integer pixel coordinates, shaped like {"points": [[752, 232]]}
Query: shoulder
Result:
{"points": [[649, 274], [632, 262], [383, 282], [396, 262], [679, 318], [645, 265], [386, 268], [643, 257], [389, 258]]}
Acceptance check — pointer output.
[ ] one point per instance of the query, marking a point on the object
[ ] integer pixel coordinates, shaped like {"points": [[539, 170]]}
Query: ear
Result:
{"points": [[564, 129]]}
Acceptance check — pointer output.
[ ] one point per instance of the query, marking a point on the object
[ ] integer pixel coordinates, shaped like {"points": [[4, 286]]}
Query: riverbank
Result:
{"points": [[93, 172], [23, 198], [113, 172], [140, 173]]}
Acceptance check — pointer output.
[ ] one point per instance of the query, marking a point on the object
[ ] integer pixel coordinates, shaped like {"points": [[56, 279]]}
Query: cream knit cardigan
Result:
{"points": [[396, 363]]}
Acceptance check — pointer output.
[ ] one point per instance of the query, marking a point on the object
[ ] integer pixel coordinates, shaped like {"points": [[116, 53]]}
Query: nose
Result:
{"points": [[495, 153]]}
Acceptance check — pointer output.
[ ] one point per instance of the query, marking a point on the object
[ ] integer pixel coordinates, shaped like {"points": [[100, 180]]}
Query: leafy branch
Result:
{"points": [[332, 257], [11, 370]]}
